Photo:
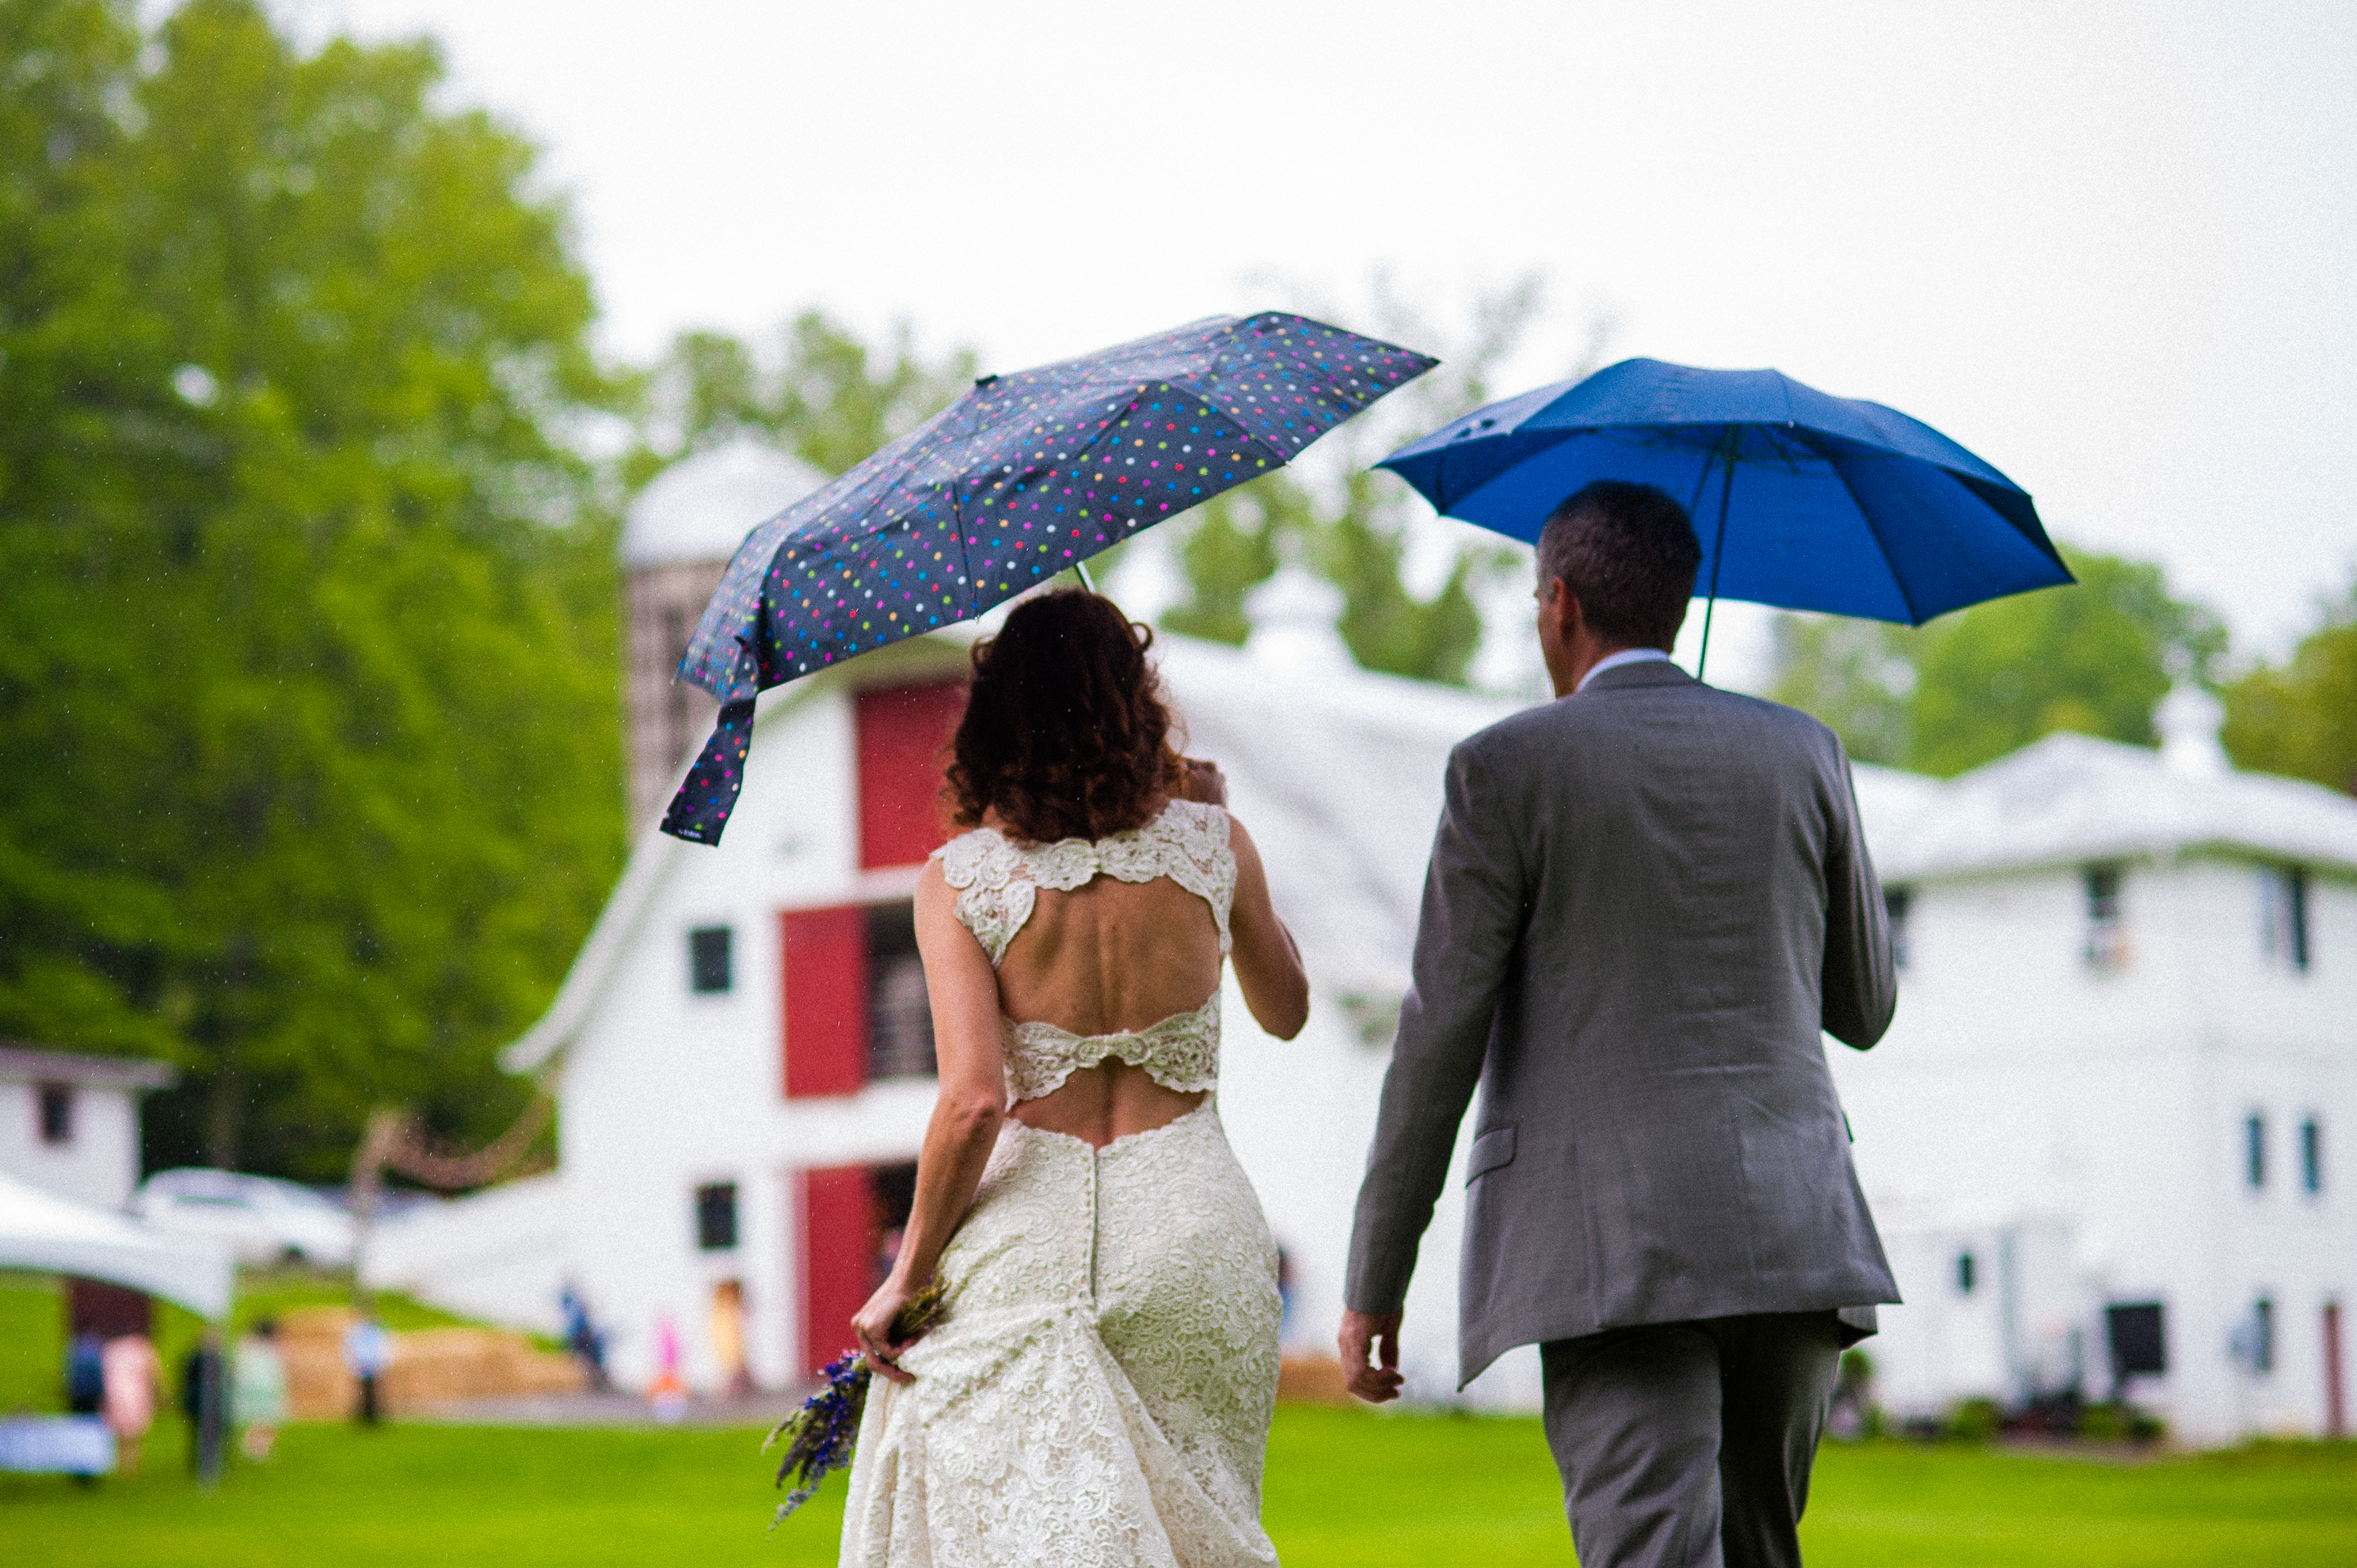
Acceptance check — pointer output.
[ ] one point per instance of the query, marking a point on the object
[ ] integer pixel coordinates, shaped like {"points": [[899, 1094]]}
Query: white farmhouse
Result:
{"points": [[2106, 1137]]}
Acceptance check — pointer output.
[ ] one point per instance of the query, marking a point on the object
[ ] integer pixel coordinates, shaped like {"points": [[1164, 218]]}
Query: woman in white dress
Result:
{"points": [[1098, 1390]]}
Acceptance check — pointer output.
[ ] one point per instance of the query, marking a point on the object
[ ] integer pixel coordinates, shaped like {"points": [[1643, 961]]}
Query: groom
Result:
{"points": [[1644, 901]]}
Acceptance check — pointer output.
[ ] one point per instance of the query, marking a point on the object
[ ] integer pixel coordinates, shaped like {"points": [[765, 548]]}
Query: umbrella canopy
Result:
{"points": [[1025, 476], [41, 1230], [1822, 502]]}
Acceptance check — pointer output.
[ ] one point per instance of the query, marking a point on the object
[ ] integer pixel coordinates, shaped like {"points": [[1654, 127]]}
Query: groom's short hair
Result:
{"points": [[1628, 554]]}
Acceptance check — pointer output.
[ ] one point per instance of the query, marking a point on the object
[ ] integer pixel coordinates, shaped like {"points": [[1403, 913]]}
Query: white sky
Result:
{"points": [[2094, 242]]}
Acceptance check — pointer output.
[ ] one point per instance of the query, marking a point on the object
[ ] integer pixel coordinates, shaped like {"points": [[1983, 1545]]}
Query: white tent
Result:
{"points": [[40, 1230]]}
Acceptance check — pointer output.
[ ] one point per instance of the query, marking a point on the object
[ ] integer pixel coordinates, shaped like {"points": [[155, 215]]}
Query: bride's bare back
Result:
{"points": [[1104, 958]]}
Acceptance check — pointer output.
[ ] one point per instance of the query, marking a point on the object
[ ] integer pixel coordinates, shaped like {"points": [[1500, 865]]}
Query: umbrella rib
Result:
{"points": [[1882, 545]]}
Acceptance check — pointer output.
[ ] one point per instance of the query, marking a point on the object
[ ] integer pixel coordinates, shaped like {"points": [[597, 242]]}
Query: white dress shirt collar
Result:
{"points": [[1614, 661]]}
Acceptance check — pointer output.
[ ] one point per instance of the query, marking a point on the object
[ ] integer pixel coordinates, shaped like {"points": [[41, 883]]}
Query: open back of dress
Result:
{"points": [[998, 881]]}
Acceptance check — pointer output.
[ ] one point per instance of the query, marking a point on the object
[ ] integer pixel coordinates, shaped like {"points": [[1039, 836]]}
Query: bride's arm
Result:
{"points": [[1268, 966], [966, 1116]]}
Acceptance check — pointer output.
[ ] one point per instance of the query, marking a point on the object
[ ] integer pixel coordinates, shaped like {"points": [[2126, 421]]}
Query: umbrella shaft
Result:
{"points": [[1717, 553]]}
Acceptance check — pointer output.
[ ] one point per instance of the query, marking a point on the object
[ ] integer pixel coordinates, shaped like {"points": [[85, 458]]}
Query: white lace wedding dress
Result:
{"points": [[1099, 1390]]}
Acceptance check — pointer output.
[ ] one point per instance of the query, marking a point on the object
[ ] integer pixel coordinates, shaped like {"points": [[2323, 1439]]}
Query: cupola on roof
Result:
{"points": [[702, 507]]}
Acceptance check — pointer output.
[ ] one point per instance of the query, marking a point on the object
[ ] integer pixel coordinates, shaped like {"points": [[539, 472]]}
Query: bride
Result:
{"points": [[1098, 1390]]}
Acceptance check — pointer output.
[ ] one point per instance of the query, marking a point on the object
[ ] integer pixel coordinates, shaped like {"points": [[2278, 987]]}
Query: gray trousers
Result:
{"points": [[1688, 1445]]}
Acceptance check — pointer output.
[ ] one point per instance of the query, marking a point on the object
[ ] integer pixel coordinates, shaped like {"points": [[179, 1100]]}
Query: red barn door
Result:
{"points": [[839, 1247]]}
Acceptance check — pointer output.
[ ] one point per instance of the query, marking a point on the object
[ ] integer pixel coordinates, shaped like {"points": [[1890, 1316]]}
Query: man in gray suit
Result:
{"points": [[1645, 899]]}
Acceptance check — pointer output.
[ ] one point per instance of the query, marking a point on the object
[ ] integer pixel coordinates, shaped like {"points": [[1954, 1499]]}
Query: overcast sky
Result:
{"points": [[2106, 246]]}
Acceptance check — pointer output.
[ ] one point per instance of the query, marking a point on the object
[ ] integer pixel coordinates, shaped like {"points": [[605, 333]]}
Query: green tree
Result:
{"points": [[2301, 719], [308, 724], [1856, 675], [824, 393], [1354, 527], [1970, 687]]}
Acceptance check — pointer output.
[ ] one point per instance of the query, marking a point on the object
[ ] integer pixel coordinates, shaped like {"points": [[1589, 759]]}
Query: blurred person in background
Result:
{"points": [[85, 1374], [368, 1350], [132, 1370], [728, 1338], [204, 1401], [584, 1338], [258, 1389]]}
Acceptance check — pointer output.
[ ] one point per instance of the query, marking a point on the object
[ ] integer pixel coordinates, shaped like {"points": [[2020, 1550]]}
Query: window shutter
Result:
{"points": [[839, 1251], [902, 730], [826, 1000]]}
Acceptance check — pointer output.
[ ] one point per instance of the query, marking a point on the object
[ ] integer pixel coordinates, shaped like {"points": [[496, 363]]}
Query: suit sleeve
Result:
{"points": [[1472, 917], [1861, 987]]}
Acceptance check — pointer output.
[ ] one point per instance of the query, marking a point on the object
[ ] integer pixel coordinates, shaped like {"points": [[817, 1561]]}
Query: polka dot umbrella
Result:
{"points": [[1023, 476]]}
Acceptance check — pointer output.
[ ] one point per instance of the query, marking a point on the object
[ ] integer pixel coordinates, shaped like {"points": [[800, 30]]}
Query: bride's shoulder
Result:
{"points": [[981, 856], [1196, 822]]}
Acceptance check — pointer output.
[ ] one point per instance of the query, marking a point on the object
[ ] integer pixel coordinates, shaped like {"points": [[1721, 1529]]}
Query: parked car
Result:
{"points": [[264, 1220]]}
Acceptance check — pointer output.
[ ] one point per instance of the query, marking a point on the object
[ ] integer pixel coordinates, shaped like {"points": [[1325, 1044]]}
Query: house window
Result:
{"points": [[57, 1109], [715, 1217], [1968, 1273], [2252, 1342], [2283, 914], [1897, 902], [710, 970], [2138, 1339], [2254, 1151], [2311, 1156], [2108, 945]]}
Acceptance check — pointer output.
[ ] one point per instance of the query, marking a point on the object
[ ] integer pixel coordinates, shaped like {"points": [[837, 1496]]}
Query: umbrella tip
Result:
{"points": [[980, 382]]}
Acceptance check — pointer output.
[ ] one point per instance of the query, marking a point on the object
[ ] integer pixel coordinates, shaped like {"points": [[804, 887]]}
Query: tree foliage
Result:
{"points": [[824, 393], [1968, 688], [1356, 528], [309, 739], [2301, 719]]}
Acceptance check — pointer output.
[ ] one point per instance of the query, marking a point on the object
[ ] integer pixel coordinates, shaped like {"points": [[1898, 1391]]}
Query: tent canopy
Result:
{"points": [[41, 1230]]}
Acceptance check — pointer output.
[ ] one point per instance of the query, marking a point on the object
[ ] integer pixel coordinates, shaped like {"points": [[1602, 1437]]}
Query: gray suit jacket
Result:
{"points": [[1644, 900]]}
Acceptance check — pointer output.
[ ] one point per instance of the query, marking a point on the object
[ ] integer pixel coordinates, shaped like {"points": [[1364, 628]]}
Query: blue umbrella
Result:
{"points": [[1823, 503], [1025, 476]]}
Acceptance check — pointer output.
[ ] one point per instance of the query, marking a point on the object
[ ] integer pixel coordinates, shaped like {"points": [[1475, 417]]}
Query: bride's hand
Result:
{"points": [[872, 1325]]}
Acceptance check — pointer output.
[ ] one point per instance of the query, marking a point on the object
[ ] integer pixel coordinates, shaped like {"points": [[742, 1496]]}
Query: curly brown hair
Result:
{"points": [[1065, 733]]}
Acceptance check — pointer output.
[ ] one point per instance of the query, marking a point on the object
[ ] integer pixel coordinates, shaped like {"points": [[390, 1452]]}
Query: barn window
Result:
{"points": [[715, 1217], [57, 1110], [2254, 1151], [2107, 942], [1898, 902], [2311, 1156], [2283, 914], [1968, 1273], [711, 968], [899, 1012]]}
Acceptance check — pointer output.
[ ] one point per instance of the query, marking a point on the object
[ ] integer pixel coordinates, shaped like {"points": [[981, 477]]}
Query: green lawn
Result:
{"points": [[1345, 1489]]}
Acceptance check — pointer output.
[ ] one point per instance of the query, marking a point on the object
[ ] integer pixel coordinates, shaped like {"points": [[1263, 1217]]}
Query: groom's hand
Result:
{"points": [[1369, 1344]]}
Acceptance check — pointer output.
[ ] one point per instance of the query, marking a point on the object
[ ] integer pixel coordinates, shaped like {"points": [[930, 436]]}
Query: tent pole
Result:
{"points": [[1718, 553]]}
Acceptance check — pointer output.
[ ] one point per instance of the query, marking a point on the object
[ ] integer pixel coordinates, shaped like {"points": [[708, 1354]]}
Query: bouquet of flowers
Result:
{"points": [[821, 1436]]}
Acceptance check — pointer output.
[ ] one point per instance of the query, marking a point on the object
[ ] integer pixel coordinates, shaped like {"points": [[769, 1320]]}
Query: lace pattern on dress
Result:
{"points": [[1182, 1052], [998, 881], [998, 878]]}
